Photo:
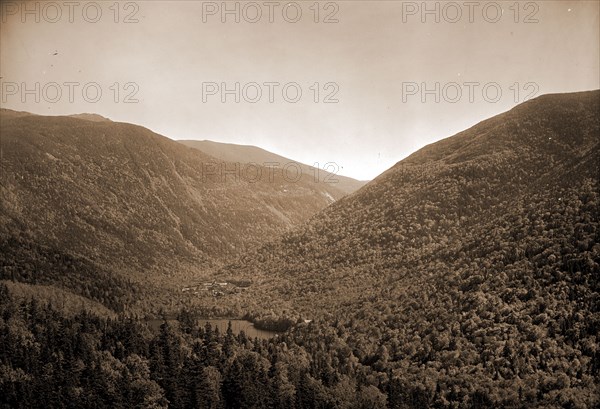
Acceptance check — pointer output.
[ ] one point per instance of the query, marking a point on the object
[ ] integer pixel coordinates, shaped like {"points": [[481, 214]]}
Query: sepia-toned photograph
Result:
{"points": [[345, 204]]}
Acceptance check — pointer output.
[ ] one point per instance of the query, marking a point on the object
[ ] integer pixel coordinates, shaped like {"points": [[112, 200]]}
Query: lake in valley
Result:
{"points": [[236, 325]]}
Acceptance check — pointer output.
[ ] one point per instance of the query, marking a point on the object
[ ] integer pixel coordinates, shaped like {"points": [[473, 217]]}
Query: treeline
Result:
{"points": [[26, 261], [49, 360], [272, 322]]}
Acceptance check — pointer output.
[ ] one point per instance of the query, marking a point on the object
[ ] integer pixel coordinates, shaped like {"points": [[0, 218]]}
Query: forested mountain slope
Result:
{"points": [[484, 182], [472, 262], [124, 200]]}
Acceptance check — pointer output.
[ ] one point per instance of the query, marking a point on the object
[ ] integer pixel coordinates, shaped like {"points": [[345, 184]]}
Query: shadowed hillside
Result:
{"points": [[134, 202]]}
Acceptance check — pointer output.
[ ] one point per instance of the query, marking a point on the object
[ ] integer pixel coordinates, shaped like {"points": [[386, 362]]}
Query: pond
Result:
{"points": [[236, 325]]}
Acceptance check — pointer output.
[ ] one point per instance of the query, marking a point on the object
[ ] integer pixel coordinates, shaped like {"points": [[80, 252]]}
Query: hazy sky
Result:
{"points": [[375, 57]]}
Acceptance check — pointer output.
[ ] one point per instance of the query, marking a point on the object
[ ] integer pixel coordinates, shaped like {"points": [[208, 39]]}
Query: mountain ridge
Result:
{"points": [[230, 152], [423, 174], [466, 275], [135, 201]]}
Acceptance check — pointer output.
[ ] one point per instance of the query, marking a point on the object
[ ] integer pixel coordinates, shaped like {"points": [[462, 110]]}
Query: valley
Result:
{"points": [[137, 204], [300, 205], [464, 276]]}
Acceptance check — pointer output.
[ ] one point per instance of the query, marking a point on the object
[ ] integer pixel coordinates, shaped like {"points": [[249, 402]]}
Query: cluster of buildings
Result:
{"points": [[216, 289]]}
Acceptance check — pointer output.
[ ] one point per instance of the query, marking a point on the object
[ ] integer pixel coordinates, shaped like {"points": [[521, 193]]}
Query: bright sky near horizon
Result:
{"points": [[361, 84]]}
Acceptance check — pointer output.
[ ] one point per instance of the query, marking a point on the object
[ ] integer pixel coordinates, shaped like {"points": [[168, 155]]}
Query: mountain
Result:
{"points": [[472, 266], [251, 154], [9, 113], [121, 202], [91, 117], [466, 276], [439, 201]]}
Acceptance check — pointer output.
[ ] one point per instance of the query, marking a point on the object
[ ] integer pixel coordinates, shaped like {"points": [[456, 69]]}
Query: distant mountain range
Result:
{"points": [[120, 198], [251, 154]]}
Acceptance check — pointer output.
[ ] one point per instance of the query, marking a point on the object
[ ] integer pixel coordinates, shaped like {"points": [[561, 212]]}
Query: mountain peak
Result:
{"points": [[91, 117]]}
